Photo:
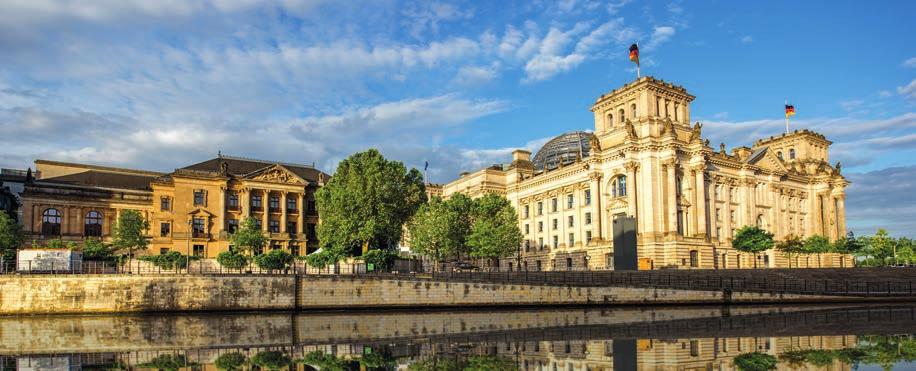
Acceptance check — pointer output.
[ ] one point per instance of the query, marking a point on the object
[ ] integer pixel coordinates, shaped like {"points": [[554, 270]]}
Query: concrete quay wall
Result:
{"points": [[62, 294]]}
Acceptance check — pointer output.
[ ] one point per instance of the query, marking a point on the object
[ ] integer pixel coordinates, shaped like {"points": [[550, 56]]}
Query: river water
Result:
{"points": [[837, 337]]}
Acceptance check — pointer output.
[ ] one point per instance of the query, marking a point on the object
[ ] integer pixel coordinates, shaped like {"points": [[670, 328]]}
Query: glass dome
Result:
{"points": [[563, 149]]}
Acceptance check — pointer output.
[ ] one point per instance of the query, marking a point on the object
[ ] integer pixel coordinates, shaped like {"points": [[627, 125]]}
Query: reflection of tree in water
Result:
{"points": [[755, 361], [473, 363], [884, 351]]}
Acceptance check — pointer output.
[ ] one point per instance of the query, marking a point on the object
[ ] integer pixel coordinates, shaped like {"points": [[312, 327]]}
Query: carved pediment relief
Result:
{"points": [[277, 174], [617, 203]]}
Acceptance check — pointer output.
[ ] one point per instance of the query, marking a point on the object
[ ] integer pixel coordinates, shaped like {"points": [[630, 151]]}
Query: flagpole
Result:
{"points": [[787, 118], [637, 61]]}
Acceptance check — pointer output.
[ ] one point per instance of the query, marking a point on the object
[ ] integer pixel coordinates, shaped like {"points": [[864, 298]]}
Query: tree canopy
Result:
{"points": [[752, 239], [10, 237], [483, 228], [248, 237], [791, 246], [366, 203], [130, 232]]}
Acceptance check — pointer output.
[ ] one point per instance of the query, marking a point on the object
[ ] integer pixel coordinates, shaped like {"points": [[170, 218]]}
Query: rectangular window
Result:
{"points": [[163, 250], [588, 218], [199, 198], [274, 202], [541, 208], [165, 204], [273, 226], [527, 245], [198, 250], [588, 197], [294, 248], [232, 201], [291, 204], [718, 214], [572, 240], [569, 221], [556, 225], [568, 263], [313, 209], [258, 224], [165, 229], [540, 226], [526, 229], [556, 242], [525, 212], [540, 243], [588, 236], [553, 205], [569, 201], [256, 202], [310, 232], [199, 227], [291, 227], [232, 225], [275, 245]]}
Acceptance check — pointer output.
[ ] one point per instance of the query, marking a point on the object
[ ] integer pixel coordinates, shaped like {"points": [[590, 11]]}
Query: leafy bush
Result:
{"points": [[232, 259], [230, 361], [755, 361], [275, 259], [168, 362], [96, 250], [169, 260], [58, 244], [323, 258], [324, 361], [271, 360], [379, 258]]}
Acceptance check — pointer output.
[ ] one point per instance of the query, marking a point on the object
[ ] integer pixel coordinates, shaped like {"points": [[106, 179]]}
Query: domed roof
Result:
{"points": [[564, 149]]}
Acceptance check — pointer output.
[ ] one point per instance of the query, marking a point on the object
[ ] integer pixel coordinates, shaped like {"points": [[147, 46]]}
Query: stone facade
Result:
{"points": [[646, 160], [191, 210]]}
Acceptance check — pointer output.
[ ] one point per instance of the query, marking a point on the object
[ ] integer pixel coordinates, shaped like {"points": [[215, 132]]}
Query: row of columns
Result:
{"points": [[265, 207]]}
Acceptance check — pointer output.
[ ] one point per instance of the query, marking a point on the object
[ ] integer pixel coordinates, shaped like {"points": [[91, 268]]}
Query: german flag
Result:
{"points": [[634, 53], [790, 110]]}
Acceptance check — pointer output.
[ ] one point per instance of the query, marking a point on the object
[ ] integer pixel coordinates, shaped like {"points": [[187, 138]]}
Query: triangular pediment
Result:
{"points": [[275, 174], [767, 160], [200, 211]]}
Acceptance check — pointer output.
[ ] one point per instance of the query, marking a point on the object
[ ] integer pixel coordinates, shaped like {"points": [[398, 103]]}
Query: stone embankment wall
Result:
{"points": [[58, 294], [37, 294]]}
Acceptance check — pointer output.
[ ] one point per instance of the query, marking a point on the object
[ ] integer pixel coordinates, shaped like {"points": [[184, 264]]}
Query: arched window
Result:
{"points": [[619, 186], [621, 116], [779, 154], [50, 222], [610, 120], [791, 153], [761, 222], [93, 225], [633, 110]]}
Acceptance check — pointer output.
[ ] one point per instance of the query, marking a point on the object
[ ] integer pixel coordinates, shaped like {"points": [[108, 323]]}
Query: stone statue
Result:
{"points": [[837, 167], [593, 144], [706, 143], [224, 168], [631, 130], [722, 148], [695, 133]]}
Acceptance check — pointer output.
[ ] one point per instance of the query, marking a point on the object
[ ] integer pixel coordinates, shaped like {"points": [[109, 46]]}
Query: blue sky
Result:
{"points": [[157, 85]]}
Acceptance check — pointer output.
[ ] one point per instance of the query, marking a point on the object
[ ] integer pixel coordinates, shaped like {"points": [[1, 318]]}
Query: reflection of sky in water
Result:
{"points": [[816, 337]]}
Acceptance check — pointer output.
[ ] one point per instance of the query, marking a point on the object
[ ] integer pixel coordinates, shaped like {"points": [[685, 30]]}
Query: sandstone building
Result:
{"points": [[647, 167], [191, 210]]}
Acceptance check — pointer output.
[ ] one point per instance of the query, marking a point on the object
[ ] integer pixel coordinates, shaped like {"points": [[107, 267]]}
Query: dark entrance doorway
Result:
{"points": [[625, 258]]}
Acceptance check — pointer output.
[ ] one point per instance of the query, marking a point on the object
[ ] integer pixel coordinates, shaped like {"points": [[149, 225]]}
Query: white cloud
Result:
{"points": [[909, 63], [475, 75], [552, 57], [747, 39], [659, 35], [423, 18], [849, 105], [908, 91], [884, 93]]}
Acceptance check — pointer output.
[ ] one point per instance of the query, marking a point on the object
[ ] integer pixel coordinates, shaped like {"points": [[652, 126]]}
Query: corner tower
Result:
{"points": [[648, 104]]}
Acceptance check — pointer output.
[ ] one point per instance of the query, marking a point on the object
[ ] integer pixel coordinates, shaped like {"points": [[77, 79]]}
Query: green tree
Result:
{"points": [[755, 361], [849, 245], [94, 249], [817, 245], [248, 237], [274, 259], [791, 246], [494, 231], [904, 250], [432, 233], [169, 260], [366, 203], [10, 237], [232, 259], [167, 362], [271, 360], [881, 246], [753, 240], [130, 233], [230, 361]]}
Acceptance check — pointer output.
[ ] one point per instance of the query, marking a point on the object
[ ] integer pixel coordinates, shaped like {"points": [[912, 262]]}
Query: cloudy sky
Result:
{"points": [[161, 84]]}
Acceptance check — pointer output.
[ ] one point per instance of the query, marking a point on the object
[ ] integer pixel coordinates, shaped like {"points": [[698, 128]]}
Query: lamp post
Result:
{"points": [[187, 258]]}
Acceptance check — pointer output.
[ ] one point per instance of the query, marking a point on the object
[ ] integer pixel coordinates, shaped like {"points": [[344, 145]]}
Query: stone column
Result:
{"points": [[300, 224], [632, 208], [245, 201], [841, 215], [700, 193], [265, 208], [672, 196], [80, 225], [726, 209], [283, 212], [222, 208], [594, 186]]}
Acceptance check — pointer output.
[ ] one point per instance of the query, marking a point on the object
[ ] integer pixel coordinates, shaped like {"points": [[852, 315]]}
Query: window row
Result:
{"points": [[232, 202], [555, 241], [51, 221], [570, 222]]}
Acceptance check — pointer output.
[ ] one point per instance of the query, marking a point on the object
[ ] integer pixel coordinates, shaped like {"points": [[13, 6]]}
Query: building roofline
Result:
{"points": [[100, 167], [241, 158]]}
